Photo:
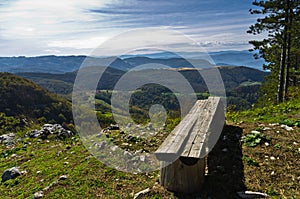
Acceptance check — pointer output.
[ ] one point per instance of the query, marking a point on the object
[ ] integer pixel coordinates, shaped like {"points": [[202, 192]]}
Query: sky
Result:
{"points": [[77, 27]]}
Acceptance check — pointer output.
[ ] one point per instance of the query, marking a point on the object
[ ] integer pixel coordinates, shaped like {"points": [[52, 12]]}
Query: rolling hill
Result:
{"points": [[20, 97]]}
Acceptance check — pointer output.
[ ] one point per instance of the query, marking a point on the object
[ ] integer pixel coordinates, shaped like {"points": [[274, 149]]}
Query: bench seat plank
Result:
{"points": [[187, 139], [207, 125]]}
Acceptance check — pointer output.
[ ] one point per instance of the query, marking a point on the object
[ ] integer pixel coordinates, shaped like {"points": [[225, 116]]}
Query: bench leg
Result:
{"points": [[183, 176]]}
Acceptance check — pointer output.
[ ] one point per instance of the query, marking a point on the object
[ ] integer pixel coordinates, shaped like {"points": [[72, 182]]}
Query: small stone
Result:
{"points": [[7, 138], [38, 172], [299, 150], [141, 193], [287, 127], [272, 173], [114, 148], [23, 172], [274, 124], [255, 132], [225, 150], [128, 154], [142, 158], [11, 173], [38, 194], [272, 158], [277, 131], [113, 127], [13, 155], [251, 194], [267, 144], [63, 177], [66, 163], [224, 138], [295, 143], [267, 129]]}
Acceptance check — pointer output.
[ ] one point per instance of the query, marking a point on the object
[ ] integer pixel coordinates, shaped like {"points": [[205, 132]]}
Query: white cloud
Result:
{"points": [[86, 43], [29, 27], [40, 19]]}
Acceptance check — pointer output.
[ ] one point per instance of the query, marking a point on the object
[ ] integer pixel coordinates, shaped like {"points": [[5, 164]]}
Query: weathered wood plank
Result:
{"points": [[202, 114], [211, 127], [215, 128], [172, 147], [183, 178], [193, 132]]}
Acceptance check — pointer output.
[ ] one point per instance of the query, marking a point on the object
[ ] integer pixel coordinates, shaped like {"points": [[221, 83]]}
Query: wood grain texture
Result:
{"points": [[188, 137]]}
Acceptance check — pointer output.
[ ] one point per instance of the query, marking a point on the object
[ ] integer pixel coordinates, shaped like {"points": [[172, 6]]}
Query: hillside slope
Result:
{"points": [[20, 97]]}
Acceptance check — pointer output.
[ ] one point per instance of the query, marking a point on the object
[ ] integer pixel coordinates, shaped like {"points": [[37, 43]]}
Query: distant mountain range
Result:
{"points": [[232, 76], [64, 64]]}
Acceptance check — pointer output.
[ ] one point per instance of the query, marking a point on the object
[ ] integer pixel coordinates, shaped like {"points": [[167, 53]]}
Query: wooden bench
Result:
{"points": [[182, 154]]}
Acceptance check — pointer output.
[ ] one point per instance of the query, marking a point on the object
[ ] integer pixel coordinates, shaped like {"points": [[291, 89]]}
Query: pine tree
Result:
{"points": [[279, 21]]}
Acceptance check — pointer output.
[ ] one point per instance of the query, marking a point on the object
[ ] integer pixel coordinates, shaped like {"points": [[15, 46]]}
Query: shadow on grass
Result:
{"points": [[225, 168]]}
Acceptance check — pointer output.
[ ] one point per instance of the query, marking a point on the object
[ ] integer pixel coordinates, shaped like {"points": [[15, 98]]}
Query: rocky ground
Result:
{"points": [[51, 162]]}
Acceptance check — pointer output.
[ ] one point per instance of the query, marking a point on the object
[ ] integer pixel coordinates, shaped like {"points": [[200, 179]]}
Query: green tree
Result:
{"points": [[280, 20]]}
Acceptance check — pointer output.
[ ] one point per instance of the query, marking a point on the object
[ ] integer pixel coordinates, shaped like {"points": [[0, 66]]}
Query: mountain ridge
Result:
{"points": [[62, 64]]}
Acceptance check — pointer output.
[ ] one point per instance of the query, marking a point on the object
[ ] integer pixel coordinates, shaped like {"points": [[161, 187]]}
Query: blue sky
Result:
{"points": [[63, 27]]}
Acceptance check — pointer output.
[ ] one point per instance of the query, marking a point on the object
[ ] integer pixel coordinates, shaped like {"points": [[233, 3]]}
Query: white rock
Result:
{"points": [[295, 143], [141, 193], [11, 173], [114, 148], [272, 158], [267, 144], [287, 127], [274, 124], [255, 132], [267, 129], [13, 155], [63, 177], [126, 153], [38, 194], [272, 173], [251, 194], [142, 158]]}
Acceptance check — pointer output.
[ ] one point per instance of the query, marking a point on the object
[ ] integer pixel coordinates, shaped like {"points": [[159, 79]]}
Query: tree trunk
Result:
{"points": [[281, 74], [288, 61], [281, 78]]}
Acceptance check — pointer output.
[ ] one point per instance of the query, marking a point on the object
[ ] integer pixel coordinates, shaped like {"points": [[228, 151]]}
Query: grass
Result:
{"points": [[45, 161], [271, 168], [288, 111]]}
